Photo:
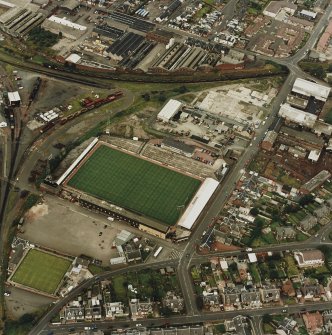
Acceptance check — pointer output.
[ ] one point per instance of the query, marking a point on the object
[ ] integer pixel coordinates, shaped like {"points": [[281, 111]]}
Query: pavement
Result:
{"points": [[188, 256]]}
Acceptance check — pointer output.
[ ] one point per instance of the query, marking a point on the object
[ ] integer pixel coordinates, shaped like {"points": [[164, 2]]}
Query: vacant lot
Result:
{"points": [[135, 184], [41, 271]]}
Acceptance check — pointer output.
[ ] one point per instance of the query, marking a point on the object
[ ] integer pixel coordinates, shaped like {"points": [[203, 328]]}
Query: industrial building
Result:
{"points": [[69, 29], [132, 22], [269, 140], [307, 88], [129, 49], [183, 56], [198, 203], [169, 110], [294, 115], [14, 98], [20, 21]]}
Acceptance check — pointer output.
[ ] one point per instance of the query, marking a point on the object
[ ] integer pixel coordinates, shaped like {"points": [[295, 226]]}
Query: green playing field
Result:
{"points": [[41, 271], [135, 184]]}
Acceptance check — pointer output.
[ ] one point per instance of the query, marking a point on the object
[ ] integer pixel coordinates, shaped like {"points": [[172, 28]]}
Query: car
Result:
{"points": [[138, 325], [87, 328], [284, 310], [6, 294], [248, 249]]}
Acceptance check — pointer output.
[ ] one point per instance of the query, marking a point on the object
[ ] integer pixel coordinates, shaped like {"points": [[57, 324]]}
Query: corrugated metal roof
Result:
{"points": [[309, 88], [169, 110]]}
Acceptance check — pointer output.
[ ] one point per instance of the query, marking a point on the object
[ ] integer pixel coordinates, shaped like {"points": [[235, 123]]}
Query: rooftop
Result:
{"points": [[295, 115], [308, 88]]}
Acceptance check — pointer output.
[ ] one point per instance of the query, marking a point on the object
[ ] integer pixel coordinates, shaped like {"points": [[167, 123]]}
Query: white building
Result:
{"points": [[309, 258], [169, 110], [14, 98], [297, 116], [308, 88], [198, 203]]}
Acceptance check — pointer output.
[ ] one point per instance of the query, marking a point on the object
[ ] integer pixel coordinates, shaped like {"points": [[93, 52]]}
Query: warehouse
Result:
{"points": [[310, 89], [69, 29], [132, 22], [169, 110], [198, 203], [20, 21], [14, 98], [297, 116], [125, 46]]}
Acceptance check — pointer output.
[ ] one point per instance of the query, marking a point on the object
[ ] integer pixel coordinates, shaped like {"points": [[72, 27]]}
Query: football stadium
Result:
{"points": [[154, 193]]}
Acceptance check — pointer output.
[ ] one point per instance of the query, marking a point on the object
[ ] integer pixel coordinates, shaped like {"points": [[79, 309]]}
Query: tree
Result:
{"points": [[306, 199], [166, 311], [199, 302], [254, 211], [267, 318]]}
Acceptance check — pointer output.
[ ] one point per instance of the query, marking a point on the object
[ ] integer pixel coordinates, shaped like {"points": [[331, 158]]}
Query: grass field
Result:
{"points": [[41, 271], [135, 184]]}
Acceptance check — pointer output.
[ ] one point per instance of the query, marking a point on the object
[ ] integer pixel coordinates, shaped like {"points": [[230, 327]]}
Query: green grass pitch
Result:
{"points": [[135, 184], [41, 271]]}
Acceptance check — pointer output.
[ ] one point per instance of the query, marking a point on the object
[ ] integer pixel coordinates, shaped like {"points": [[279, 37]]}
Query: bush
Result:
{"points": [[42, 38]]}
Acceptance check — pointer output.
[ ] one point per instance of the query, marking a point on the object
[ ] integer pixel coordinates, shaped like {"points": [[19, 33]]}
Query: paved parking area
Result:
{"points": [[68, 228]]}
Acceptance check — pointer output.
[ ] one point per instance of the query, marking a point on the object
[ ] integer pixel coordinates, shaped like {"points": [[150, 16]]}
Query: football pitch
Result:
{"points": [[135, 184], [41, 271]]}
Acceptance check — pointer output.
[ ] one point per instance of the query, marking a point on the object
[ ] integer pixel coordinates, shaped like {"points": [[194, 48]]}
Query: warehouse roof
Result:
{"points": [[73, 58], [70, 4], [298, 116], [169, 110], [317, 180], [13, 96], [308, 13], [198, 203], [308, 88], [66, 22]]}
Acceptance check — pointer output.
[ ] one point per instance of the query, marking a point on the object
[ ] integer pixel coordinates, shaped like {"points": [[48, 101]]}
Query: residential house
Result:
{"points": [[322, 212], [287, 289], [140, 309], [251, 298], [286, 326], [174, 302], [231, 298], [211, 300], [309, 258], [73, 312], [313, 322], [311, 291], [308, 222], [239, 325], [113, 310], [327, 318], [329, 202], [284, 233], [270, 294]]}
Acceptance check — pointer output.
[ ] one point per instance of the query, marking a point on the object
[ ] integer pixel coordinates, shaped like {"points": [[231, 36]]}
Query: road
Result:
{"points": [[188, 256]]}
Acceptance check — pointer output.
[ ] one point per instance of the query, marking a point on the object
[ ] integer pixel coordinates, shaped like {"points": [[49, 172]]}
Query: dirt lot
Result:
{"points": [[60, 225], [21, 302]]}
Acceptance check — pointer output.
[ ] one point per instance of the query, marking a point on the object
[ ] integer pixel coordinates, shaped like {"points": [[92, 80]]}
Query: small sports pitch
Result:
{"points": [[135, 184], [41, 271]]}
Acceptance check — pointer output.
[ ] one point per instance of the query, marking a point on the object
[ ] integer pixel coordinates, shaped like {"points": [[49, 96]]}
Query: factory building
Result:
{"points": [[169, 110]]}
